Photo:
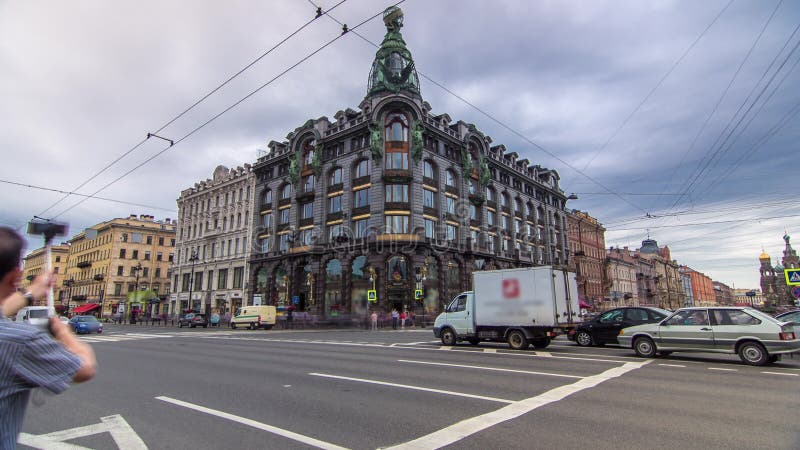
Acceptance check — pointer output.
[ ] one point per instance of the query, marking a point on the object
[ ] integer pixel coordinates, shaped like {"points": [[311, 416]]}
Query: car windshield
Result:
{"points": [[37, 313], [87, 319]]}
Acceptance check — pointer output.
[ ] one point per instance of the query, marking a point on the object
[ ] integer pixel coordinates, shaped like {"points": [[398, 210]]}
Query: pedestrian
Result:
{"points": [[290, 318], [403, 317], [395, 318], [412, 319], [29, 356], [374, 319]]}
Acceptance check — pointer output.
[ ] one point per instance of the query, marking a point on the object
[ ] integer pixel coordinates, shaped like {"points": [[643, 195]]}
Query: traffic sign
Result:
{"points": [[796, 292], [418, 294], [792, 276], [372, 296]]}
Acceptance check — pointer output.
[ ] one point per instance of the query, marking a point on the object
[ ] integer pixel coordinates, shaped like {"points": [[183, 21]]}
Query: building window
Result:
{"points": [[222, 279], [362, 168], [266, 221], [283, 243], [147, 256], [135, 254], [361, 198], [158, 272], [145, 272], [473, 212], [335, 204], [185, 281], [396, 224], [334, 231], [307, 210], [308, 153], [471, 186], [396, 142], [397, 193], [266, 198], [360, 228], [286, 191], [504, 223], [120, 270], [307, 237], [450, 178], [504, 200], [335, 176], [491, 218], [428, 171], [450, 205], [452, 232], [171, 257], [159, 256], [283, 216], [117, 288], [428, 198], [124, 237], [265, 243], [238, 277], [308, 184], [122, 253], [430, 229]]}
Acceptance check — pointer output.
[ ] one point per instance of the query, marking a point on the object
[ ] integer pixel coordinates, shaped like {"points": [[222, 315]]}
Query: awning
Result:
{"points": [[584, 304], [85, 308]]}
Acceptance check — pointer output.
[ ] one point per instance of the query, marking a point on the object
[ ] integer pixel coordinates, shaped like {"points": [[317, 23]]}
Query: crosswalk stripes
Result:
{"points": [[122, 337]]}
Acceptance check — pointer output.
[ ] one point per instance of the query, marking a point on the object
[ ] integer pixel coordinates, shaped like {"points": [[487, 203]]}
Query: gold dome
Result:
{"points": [[764, 255]]}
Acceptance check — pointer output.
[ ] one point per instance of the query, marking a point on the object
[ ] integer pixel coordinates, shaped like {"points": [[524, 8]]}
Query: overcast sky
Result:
{"points": [[673, 116]]}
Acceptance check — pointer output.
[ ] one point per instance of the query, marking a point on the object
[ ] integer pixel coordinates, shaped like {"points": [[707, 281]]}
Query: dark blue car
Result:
{"points": [[85, 324]]}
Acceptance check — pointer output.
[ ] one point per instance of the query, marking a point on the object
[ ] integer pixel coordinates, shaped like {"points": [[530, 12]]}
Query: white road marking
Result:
{"points": [[445, 347], [784, 374], [672, 365], [543, 354], [723, 369], [417, 388], [252, 423], [490, 350], [496, 369], [468, 427], [120, 431]]}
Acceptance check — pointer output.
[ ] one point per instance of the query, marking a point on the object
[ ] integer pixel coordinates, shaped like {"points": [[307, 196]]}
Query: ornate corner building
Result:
{"points": [[395, 199]]}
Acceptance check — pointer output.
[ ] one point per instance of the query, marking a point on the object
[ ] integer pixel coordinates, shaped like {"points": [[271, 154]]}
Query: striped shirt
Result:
{"points": [[29, 358]]}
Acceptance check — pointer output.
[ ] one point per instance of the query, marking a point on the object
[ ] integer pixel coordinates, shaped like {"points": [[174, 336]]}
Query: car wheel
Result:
{"points": [[583, 338], [180, 324], [474, 341], [205, 326], [517, 340], [448, 337], [664, 353], [774, 358], [233, 326], [753, 353], [191, 326], [644, 347], [541, 343]]}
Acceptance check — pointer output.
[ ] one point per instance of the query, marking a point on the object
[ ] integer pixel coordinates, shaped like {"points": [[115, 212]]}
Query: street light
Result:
{"points": [[68, 284], [310, 284], [137, 268], [423, 271], [193, 259]]}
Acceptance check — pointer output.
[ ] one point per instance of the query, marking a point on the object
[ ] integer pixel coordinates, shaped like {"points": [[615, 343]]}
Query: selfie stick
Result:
{"points": [[49, 230]]}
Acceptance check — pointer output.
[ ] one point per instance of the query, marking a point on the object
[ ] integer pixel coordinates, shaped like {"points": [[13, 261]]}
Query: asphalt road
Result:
{"points": [[170, 388]]}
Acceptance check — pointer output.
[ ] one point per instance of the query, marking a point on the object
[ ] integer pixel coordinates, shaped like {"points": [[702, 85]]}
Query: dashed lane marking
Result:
{"points": [[416, 388], [468, 427], [252, 423], [672, 365], [784, 374], [496, 369], [723, 369], [490, 350]]}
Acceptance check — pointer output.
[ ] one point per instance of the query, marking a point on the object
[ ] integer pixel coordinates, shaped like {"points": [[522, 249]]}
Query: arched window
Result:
{"points": [[266, 198], [396, 141], [428, 170], [471, 186], [450, 178], [335, 176], [504, 200], [518, 206], [308, 153], [491, 196], [286, 191], [333, 288], [396, 268], [361, 169]]}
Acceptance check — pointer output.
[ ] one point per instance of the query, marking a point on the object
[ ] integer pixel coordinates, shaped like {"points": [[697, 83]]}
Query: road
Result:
{"points": [[170, 388]]}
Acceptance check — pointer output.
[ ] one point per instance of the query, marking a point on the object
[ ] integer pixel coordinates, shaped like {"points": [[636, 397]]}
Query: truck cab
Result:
{"points": [[458, 316]]}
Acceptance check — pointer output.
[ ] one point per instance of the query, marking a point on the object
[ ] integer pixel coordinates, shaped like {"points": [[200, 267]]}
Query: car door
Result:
{"points": [[607, 326], [633, 317], [687, 329], [459, 314], [731, 324]]}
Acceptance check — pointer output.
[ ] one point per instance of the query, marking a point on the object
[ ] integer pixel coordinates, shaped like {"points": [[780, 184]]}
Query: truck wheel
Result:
{"points": [[644, 347], [583, 338], [541, 343], [448, 337], [753, 353], [517, 340], [267, 327], [474, 341], [252, 326], [233, 325]]}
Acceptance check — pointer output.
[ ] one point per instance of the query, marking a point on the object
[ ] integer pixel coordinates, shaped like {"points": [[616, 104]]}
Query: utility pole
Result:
{"points": [[193, 259], [137, 268]]}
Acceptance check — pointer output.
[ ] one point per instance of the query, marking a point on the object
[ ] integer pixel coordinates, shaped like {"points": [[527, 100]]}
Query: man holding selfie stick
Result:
{"points": [[31, 357]]}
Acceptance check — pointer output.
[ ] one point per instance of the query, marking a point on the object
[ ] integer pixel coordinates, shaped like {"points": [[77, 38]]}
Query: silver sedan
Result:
{"points": [[757, 338]]}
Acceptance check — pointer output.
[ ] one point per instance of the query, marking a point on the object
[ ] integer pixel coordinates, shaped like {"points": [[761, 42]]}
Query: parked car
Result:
{"points": [[756, 337], [192, 320], [38, 316], [605, 328], [789, 316], [85, 324]]}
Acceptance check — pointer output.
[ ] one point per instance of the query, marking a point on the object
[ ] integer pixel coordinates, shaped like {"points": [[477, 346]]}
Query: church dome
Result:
{"points": [[764, 255]]}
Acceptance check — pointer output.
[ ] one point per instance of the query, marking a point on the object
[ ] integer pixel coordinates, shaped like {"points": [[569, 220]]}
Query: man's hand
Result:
{"points": [[67, 338], [41, 285]]}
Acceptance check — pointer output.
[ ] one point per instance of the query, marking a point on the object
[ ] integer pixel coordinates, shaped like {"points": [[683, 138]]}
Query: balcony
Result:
{"points": [[84, 264], [360, 181], [99, 277]]}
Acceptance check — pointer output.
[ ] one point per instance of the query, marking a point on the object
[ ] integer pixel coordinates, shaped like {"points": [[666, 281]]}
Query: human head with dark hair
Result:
{"points": [[11, 245]]}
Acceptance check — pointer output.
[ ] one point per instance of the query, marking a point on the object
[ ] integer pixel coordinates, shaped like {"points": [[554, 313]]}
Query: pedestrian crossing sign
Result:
{"points": [[792, 277], [418, 294], [372, 296]]}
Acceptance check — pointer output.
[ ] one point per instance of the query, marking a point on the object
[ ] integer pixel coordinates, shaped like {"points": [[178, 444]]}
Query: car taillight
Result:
{"points": [[787, 336]]}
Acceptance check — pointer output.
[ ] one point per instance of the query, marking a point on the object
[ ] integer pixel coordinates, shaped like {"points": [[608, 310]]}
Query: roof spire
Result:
{"points": [[393, 68]]}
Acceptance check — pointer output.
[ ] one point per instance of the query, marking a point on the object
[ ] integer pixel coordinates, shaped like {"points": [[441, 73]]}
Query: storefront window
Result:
{"points": [[281, 294], [333, 288]]}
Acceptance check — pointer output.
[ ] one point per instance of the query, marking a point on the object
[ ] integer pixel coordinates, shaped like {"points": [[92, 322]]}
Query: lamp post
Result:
{"points": [[373, 279], [310, 284], [193, 259], [68, 284], [423, 271], [136, 269]]}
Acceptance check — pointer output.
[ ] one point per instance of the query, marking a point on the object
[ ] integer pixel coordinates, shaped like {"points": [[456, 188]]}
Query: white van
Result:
{"points": [[38, 316], [252, 317]]}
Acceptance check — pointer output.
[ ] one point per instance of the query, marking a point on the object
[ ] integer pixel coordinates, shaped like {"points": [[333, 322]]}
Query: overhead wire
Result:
{"points": [[60, 191], [215, 117], [192, 106]]}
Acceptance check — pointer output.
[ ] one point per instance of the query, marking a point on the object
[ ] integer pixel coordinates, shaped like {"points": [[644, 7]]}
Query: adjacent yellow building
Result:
{"points": [[33, 265]]}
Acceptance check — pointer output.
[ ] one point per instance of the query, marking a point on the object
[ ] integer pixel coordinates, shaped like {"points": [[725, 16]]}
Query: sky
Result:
{"points": [[673, 119]]}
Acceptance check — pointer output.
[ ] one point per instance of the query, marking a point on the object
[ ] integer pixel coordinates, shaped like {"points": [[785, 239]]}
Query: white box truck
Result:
{"points": [[522, 306]]}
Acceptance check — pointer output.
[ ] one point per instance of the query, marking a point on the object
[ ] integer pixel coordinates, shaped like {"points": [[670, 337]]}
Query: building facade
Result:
{"points": [[748, 297], [668, 289], [686, 281], [621, 279], [214, 242], [702, 287], [773, 282], [587, 244], [394, 199], [120, 266], [33, 264], [723, 294]]}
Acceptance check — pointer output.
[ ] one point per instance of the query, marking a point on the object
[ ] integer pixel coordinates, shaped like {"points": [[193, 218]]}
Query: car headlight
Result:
{"points": [[621, 332]]}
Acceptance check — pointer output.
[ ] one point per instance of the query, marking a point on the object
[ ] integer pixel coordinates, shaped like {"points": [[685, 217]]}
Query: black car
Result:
{"points": [[193, 320], [604, 328]]}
